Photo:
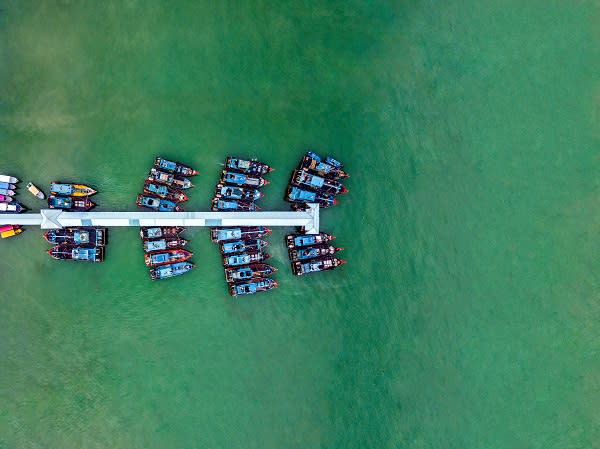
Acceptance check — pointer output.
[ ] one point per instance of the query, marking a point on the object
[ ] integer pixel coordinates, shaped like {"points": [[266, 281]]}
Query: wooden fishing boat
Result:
{"points": [[233, 205], [297, 195], [301, 240], [244, 259], [241, 179], [82, 253], [251, 167], [77, 236], [245, 232], [330, 168], [70, 203], [251, 287], [316, 265], [66, 189], [174, 167], [171, 270], [35, 191], [166, 192], [247, 272], [240, 246], [169, 179], [151, 245], [312, 252], [237, 193], [159, 232], [155, 259], [303, 178], [158, 204]]}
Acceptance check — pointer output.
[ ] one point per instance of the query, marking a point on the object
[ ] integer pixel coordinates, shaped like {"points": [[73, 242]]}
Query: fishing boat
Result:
{"points": [[5, 199], [218, 235], [233, 205], [66, 189], [77, 236], [171, 270], [7, 192], [35, 191], [70, 203], [169, 179], [7, 186], [314, 266], [251, 167], [156, 203], [244, 259], [240, 246], [238, 193], [242, 179], [296, 195], [249, 288], [11, 208], [8, 179], [174, 167], [313, 252], [301, 240], [330, 168], [303, 178], [163, 244], [159, 232], [85, 253], [165, 257], [163, 191], [244, 273], [10, 231]]}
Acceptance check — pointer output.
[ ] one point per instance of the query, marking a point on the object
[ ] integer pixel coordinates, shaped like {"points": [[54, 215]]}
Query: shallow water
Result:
{"points": [[467, 316]]}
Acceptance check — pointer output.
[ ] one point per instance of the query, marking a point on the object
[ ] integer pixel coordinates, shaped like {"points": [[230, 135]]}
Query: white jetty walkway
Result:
{"points": [[56, 219]]}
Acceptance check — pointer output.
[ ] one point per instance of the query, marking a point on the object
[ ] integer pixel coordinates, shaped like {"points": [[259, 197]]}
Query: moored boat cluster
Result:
{"points": [[311, 253], [164, 254], [73, 197], [79, 244], [316, 180], [8, 187], [242, 248]]}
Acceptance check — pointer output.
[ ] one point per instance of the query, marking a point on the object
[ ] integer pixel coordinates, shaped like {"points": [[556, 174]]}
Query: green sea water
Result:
{"points": [[468, 314]]}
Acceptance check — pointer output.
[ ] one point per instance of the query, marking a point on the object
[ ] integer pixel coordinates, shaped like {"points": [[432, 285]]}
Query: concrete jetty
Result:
{"points": [[57, 218]]}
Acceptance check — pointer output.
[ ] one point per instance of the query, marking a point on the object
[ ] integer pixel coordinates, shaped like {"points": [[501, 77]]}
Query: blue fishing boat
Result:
{"points": [[313, 252], [159, 204], [11, 208], [66, 189], [233, 205], [159, 232], [238, 193], [248, 232], [163, 244], [244, 259], [165, 192], [314, 266], [242, 179], [171, 270], [169, 179], [247, 272], [240, 246], [301, 240], [70, 203], [7, 192], [296, 195], [174, 167], [303, 178], [251, 167], [86, 253], [77, 236], [7, 186], [169, 256], [249, 288], [330, 168]]}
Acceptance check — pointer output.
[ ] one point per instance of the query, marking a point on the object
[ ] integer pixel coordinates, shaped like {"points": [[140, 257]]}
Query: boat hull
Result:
{"points": [[240, 246], [7, 192], [77, 236], [7, 186], [312, 252], [174, 167], [11, 208], [244, 259], [10, 231], [5, 199], [249, 232], [79, 253], [151, 245], [160, 232], [74, 190], [70, 203], [247, 272], [303, 240], [170, 270], [158, 258], [252, 287], [8, 179], [251, 167], [316, 265]]}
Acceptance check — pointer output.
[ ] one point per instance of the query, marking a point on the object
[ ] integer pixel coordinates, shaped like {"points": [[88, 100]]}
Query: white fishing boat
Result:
{"points": [[8, 179], [35, 191]]}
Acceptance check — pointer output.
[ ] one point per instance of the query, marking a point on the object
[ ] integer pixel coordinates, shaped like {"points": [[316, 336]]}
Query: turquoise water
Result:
{"points": [[467, 316]]}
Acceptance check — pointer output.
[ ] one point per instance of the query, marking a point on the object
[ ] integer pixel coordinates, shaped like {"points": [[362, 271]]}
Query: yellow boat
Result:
{"points": [[71, 189], [35, 191], [9, 231]]}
